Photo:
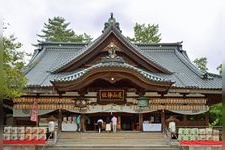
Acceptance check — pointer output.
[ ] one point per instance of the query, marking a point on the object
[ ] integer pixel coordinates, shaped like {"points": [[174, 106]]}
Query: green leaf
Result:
{"points": [[14, 80], [56, 30], [146, 34]]}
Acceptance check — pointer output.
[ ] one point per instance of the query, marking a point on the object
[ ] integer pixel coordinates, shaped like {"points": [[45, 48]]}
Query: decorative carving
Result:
{"points": [[111, 23], [112, 57], [81, 103], [112, 52]]}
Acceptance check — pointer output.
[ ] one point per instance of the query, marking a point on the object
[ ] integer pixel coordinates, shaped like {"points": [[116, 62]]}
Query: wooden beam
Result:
{"points": [[197, 91]]}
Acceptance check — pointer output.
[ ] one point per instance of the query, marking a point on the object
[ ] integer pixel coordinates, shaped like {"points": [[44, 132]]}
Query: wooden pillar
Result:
{"points": [[83, 128], [163, 119], [60, 115], [185, 120], [119, 123], [14, 121], [37, 122], [140, 122], [60, 119], [207, 118], [38, 117]]}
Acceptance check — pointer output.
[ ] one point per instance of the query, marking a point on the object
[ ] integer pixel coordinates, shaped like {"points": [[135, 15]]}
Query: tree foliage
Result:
{"points": [[219, 68], [215, 117], [14, 80], [146, 34], [201, 63], [216, 110], [56, 30]]}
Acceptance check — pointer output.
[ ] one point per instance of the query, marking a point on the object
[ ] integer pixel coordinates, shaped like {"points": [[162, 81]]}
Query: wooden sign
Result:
{"points": [[111, 95]]}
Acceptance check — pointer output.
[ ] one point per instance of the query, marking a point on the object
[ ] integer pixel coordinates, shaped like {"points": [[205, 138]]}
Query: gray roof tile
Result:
{"points": [[39, 71]]}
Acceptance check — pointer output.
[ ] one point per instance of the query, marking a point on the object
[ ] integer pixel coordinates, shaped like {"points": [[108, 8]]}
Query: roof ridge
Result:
{"points": [[34, 61], [139, 50], [44, 44], [84, 49], [158, 44], [188, 63], [214, 75]]}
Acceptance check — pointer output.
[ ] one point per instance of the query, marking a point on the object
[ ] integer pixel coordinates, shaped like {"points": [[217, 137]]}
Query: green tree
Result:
{"points": [[146, 34], [56, 30], [201, 63], [14, 80], [215, 117], [216, 110], [219, 68]]}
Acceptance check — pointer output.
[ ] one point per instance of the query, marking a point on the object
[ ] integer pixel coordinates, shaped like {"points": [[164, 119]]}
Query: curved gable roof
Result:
{"points": [[111, 29]]}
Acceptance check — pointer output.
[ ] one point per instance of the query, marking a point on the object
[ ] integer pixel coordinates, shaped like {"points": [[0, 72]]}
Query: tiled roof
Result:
{"points": [[39, 69], [145, 74], [168, 56], [184, 73]]}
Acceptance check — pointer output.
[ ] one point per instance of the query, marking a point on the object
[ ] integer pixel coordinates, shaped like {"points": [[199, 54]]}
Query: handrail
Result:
{"points": [[49, 138], [168, 134]]}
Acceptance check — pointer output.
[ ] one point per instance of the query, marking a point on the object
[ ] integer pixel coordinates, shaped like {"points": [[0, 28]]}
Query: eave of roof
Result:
{"points": [[145, 74]]}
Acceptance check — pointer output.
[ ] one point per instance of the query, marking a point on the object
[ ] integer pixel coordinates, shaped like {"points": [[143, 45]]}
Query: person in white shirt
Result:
{"points": [[114, 123], [108, 125], [99, 123], [172, 129]]}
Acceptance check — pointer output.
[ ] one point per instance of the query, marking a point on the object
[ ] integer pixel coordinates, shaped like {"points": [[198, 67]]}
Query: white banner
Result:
{"points": [[34, 112]]}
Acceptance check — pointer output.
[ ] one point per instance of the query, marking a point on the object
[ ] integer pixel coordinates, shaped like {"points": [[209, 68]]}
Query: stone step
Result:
{"points": [[111, 141], [111, 135], [112, 148]]}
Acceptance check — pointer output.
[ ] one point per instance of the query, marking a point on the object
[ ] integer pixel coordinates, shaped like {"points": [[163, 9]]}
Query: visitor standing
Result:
{"points": [[108, 125], [99, 123], [114, 123], [78, 123]]}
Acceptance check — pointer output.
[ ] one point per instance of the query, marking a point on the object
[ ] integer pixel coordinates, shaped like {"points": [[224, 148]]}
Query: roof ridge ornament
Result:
{"points": [[111, 23], [112, 57]]}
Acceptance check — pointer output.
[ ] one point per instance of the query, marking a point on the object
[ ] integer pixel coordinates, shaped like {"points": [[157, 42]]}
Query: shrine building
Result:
{"points": [[138, 83]]}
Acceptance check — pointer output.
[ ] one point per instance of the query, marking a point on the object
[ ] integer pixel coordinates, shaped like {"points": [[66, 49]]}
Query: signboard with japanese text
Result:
{"points": [[111, 95]]}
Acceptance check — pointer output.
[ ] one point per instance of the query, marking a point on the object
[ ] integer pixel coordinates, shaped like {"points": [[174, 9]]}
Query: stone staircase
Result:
{"points": [[111, 141]]}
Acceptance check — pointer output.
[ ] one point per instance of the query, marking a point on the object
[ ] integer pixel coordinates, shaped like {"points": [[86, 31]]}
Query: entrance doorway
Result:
{"points": [[129, 121], [125, 121]]}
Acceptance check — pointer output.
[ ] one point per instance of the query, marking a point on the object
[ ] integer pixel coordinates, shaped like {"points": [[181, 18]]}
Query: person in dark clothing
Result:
{"points": [[108, 124], [49, 135], [99, 123]]}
